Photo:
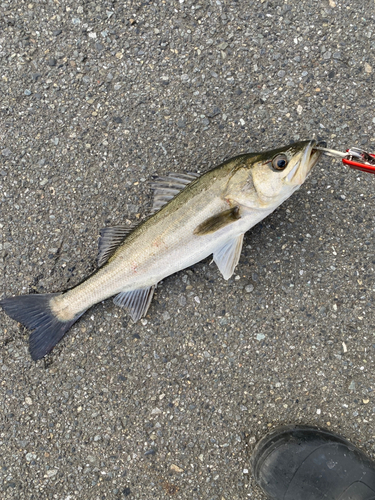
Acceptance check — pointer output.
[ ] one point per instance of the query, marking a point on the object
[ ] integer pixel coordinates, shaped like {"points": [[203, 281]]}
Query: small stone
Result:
{"points": [[119, 55], [214, 112], [368, 68], [44, 182], [99, 47], [6, 152], [28, 401], [181, 123], [51, 473], [365, 401], [150, 452], [176, 468], [249, 288], [117, 119], [27, 92], [299, 109], [281, 73], [352, 386], [51, 61], [260, 336], [318, 411], [57, 32]]}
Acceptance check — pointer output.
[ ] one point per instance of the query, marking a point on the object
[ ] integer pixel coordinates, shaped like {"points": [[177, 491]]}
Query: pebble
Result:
{"points": [[176, 468], [249, 288], [28, 400], [214, 112], [27, 92], [51, 473], [51, 61]]}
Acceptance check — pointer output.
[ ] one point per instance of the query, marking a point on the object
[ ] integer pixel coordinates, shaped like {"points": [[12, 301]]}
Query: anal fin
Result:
{"points": [[136, 302], [227, 257]]}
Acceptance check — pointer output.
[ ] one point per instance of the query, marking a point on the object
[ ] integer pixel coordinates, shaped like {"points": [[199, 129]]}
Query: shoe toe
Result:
{"points": [[300, 462]]}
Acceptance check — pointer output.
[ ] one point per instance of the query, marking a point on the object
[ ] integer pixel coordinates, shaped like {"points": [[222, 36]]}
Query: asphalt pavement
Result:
{"points": [[96, 97]]}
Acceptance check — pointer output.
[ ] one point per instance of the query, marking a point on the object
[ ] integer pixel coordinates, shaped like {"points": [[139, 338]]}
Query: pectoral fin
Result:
{"points": [[227, 257], [218, 221], [136, 302]]}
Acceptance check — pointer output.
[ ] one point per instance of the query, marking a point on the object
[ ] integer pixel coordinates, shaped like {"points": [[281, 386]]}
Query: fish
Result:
{"points": [[193, 216]]}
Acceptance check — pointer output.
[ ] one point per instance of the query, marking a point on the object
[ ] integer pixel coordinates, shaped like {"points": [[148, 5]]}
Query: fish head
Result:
{"points": [[277, 174]]}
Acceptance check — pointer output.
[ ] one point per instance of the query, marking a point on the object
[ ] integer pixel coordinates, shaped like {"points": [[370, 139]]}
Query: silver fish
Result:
{"points": [[194, 216]]}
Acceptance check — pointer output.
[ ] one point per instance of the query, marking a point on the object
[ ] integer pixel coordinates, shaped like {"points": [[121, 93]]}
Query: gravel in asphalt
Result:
{"points": [[96, 97]]}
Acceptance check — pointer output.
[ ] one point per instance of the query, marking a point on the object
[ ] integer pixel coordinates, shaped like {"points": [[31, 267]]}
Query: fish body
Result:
{"points": [[195, 216]]}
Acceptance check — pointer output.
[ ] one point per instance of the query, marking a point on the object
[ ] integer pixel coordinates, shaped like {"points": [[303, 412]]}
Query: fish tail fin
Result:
{"points": [[34, 312]]}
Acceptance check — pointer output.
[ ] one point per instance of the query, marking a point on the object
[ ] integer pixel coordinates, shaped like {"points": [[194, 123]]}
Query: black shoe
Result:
{"points": [[306, 463]]}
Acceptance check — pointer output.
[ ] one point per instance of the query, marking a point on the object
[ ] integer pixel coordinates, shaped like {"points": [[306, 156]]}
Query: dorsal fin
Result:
{"points": [[110, 239], [166, 188]]}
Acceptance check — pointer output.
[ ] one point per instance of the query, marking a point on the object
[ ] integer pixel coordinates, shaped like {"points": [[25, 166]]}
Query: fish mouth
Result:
{"points": [[303, 167]]}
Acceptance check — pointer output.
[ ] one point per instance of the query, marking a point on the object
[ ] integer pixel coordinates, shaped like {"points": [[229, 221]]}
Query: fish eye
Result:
{"points": [[279, 162]]}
